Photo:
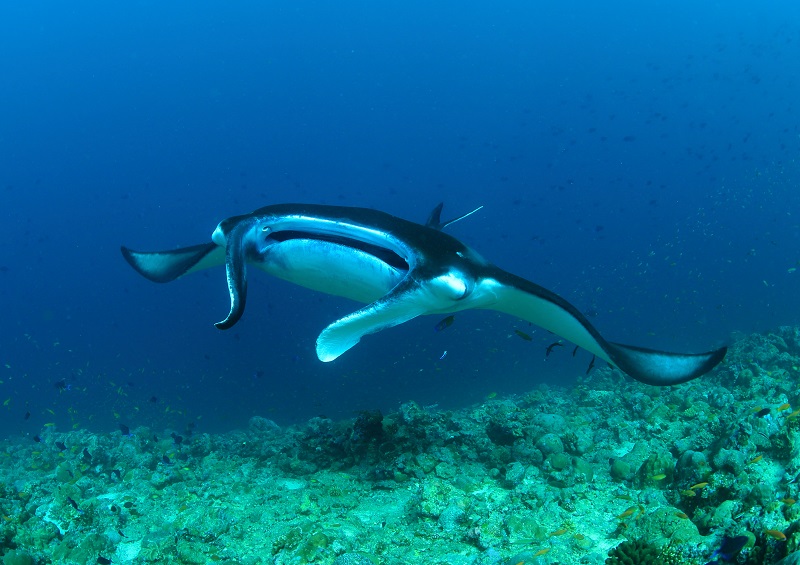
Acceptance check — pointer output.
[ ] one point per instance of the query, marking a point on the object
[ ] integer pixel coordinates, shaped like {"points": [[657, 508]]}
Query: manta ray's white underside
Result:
{"points": [[400, 270]]}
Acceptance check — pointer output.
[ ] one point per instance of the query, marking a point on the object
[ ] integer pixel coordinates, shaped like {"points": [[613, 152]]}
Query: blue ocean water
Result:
{"points": [[640, 159]]}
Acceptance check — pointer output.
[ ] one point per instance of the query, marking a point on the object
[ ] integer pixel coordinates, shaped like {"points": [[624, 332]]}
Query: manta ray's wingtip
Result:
{"points": [[166, 266], [662, 368]]}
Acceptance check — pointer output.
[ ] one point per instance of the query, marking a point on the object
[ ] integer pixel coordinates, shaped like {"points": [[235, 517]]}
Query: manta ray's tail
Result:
{"points": [[661, 368]]}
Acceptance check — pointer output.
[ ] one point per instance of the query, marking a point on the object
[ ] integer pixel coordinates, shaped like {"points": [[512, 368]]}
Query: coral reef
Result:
{"points": [[606, 471], [634, 552]]}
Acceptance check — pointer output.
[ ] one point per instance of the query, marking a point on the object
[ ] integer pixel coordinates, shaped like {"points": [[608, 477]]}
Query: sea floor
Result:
{"points": [[606, 469]]}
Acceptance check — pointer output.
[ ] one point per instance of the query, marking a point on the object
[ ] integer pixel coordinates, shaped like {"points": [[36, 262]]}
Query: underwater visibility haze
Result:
{"points": [[640, 160]]}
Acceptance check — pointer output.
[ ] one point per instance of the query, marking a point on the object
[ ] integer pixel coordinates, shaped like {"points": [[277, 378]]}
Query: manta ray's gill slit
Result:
{"points": [[386, 255]]}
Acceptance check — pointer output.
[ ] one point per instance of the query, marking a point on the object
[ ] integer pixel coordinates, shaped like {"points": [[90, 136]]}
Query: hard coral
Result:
{"points": [[640, 552], [633, 552]]}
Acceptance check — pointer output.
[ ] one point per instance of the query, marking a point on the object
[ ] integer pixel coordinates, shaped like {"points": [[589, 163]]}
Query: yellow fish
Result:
{"points": [[776, 534], [524, 336], [627, 513]]}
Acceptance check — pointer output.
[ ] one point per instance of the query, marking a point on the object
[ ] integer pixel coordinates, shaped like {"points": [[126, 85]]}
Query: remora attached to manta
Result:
{"points": [[401, 270]]}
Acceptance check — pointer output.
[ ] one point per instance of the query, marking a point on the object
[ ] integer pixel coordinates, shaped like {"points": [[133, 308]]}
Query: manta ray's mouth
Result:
{"points": [[382, 253]]}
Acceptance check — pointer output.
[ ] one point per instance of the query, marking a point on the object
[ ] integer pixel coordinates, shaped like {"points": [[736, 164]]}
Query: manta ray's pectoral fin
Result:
{"points": [[166, 266], [662, 368], [524, 299], [405, 302]]}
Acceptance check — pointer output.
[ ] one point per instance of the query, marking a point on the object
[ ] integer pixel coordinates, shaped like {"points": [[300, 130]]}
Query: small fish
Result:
{"points": [[118, 473], [443, 355], [86, 456], [62, 385], [542, 552], [689, 493], [37, 439], [153, 399], [730, 548], [776, 534], [165, 460], [574, 351], [659, 477], [73, 503], [763, 412], [550, 347], [785, 406], [61, 446], [682, 516], [788, 501], [794, 414], [27, 416], [627, 513], [559, 532], [523, 335], [591, 365], [698, 485], [445, 323], [103, 560], [126, 431], [176, 438], [756, 459]]}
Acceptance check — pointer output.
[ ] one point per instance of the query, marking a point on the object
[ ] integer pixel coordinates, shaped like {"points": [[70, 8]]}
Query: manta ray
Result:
{"points": [[400, 270]]}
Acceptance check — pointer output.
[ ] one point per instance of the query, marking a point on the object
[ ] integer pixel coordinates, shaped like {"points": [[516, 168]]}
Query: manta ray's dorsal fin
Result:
{"points": [[435, 220]]}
